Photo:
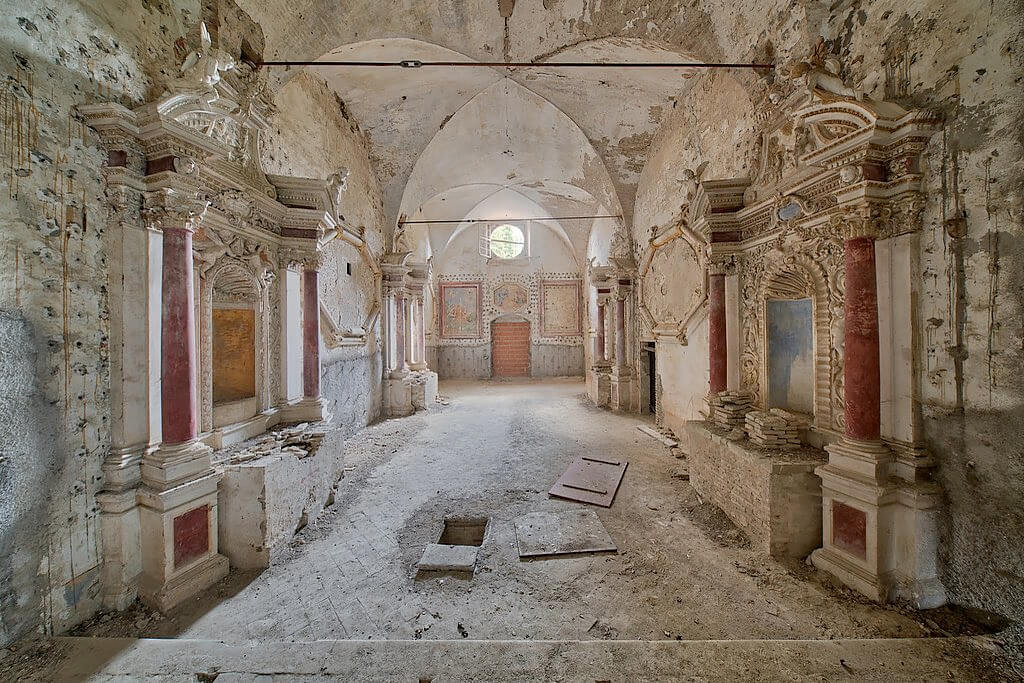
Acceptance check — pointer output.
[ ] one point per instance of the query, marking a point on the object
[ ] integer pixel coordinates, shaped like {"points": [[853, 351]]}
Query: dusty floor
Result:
{"points": [[682, 571], [494, 450]]}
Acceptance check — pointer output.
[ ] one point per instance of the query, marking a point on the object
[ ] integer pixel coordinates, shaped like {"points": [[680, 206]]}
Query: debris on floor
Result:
{"points": [[590, 480], [650, 431], [560, 533], [301, 440]]}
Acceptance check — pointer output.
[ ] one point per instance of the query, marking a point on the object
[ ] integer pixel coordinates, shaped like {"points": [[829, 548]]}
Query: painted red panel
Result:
{"points": [[191, 535], [850, 529]]}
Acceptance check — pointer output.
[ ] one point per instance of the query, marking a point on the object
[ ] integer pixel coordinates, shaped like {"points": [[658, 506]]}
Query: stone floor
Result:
{"points": [[493, 449]]}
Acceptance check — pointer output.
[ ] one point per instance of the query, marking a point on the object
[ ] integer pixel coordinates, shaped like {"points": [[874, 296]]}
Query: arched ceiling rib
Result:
{"points": [[485, 201], [403, 111]]}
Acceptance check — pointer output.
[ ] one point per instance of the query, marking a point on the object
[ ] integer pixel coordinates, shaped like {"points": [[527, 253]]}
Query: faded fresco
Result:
{"points": [[460, 311], [510, 298], [560, 309], [790, 354], [234, 354]]}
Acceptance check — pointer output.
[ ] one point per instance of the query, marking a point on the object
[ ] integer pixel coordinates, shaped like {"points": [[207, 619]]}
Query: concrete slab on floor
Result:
{"points": [[541, 534], [905, 659], [650, 431], [438, 557]]}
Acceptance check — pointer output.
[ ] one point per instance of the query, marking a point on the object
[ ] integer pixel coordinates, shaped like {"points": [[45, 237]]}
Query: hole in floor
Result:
{"points": [[463, 531]]}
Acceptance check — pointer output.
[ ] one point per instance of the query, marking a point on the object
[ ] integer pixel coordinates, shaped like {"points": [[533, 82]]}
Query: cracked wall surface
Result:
{"points": [[637, 135]]}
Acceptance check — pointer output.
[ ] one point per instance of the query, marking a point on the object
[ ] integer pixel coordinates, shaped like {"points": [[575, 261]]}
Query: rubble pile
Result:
{"points": [[301, 441], [729, 408], [775, 428]]}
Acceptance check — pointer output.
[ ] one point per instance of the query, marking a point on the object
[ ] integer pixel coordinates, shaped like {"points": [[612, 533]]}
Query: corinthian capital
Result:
{"points": [[865, 220], [169, 209]]}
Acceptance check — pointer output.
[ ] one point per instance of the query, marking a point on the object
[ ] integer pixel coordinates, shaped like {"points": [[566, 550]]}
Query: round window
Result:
{"points": [[507, 241]]}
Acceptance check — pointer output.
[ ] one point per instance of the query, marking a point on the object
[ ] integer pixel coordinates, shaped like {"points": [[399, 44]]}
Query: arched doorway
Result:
{"points": [[510, 347]]}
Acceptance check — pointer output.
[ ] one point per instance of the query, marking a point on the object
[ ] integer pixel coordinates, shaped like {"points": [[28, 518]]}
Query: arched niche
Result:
{"points": [[234, 345], [794, 319]]}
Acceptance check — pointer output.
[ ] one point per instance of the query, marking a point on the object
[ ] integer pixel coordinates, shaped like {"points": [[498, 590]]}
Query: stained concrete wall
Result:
{"points": [[29, 461], [53, 245], [971, 341]]}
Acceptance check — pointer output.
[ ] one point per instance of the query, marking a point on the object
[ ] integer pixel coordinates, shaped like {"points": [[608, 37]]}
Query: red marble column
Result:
{"points": [[399, 333], [421, 333], [620, 332], [310, 334], [178, 337], [599, 350], [718, 350], [861, 375]]}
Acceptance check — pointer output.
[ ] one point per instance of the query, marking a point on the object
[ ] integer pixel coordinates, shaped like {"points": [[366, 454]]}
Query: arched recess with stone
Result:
{"points": [[234, 343], [807, 297]]}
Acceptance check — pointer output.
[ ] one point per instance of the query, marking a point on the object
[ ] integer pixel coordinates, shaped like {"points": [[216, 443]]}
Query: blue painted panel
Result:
{"points": [[791, 354]]}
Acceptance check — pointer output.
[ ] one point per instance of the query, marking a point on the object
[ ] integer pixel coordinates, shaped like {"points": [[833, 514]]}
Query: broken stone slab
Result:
{"points": [[657, 435], [438, 557]]}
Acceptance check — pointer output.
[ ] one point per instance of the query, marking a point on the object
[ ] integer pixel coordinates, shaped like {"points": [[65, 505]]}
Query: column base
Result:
{"points": [[119, 530], [186, 585], [173, 464], [306, 410], [417, 367], [857, 578], [879, 535], [178, 533], [423, 389], [599, 385], [620, 395], [397, 397]]}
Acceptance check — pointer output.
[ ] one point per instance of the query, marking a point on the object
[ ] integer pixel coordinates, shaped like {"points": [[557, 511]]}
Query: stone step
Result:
{"points": [[173, 660]]}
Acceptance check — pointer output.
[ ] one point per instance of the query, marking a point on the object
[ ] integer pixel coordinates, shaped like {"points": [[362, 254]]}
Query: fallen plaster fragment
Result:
{"points": [[658, 435]]}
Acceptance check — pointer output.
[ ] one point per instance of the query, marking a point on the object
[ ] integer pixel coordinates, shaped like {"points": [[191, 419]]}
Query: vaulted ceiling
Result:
{"points": [[570, 140], [550, 132]]}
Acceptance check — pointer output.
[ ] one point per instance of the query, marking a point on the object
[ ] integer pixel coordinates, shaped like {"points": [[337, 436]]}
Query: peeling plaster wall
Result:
{"points": [[312, 136], [53, 245], [714, 125], [351, 387], [54, 237], [964, 59]]}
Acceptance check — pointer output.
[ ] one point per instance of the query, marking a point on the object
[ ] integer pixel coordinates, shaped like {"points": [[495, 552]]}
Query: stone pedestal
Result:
{"points": [[179, 542], [621, 390], [600, 379], [120, 533], [879, 532], [178, 498], [397, 397], [264, 501], [422, 389], [774, 497]]}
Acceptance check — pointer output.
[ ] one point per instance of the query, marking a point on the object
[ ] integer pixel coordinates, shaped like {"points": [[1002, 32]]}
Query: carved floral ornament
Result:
{"points": [[789, 267], [168, 209], [721, 264]]}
